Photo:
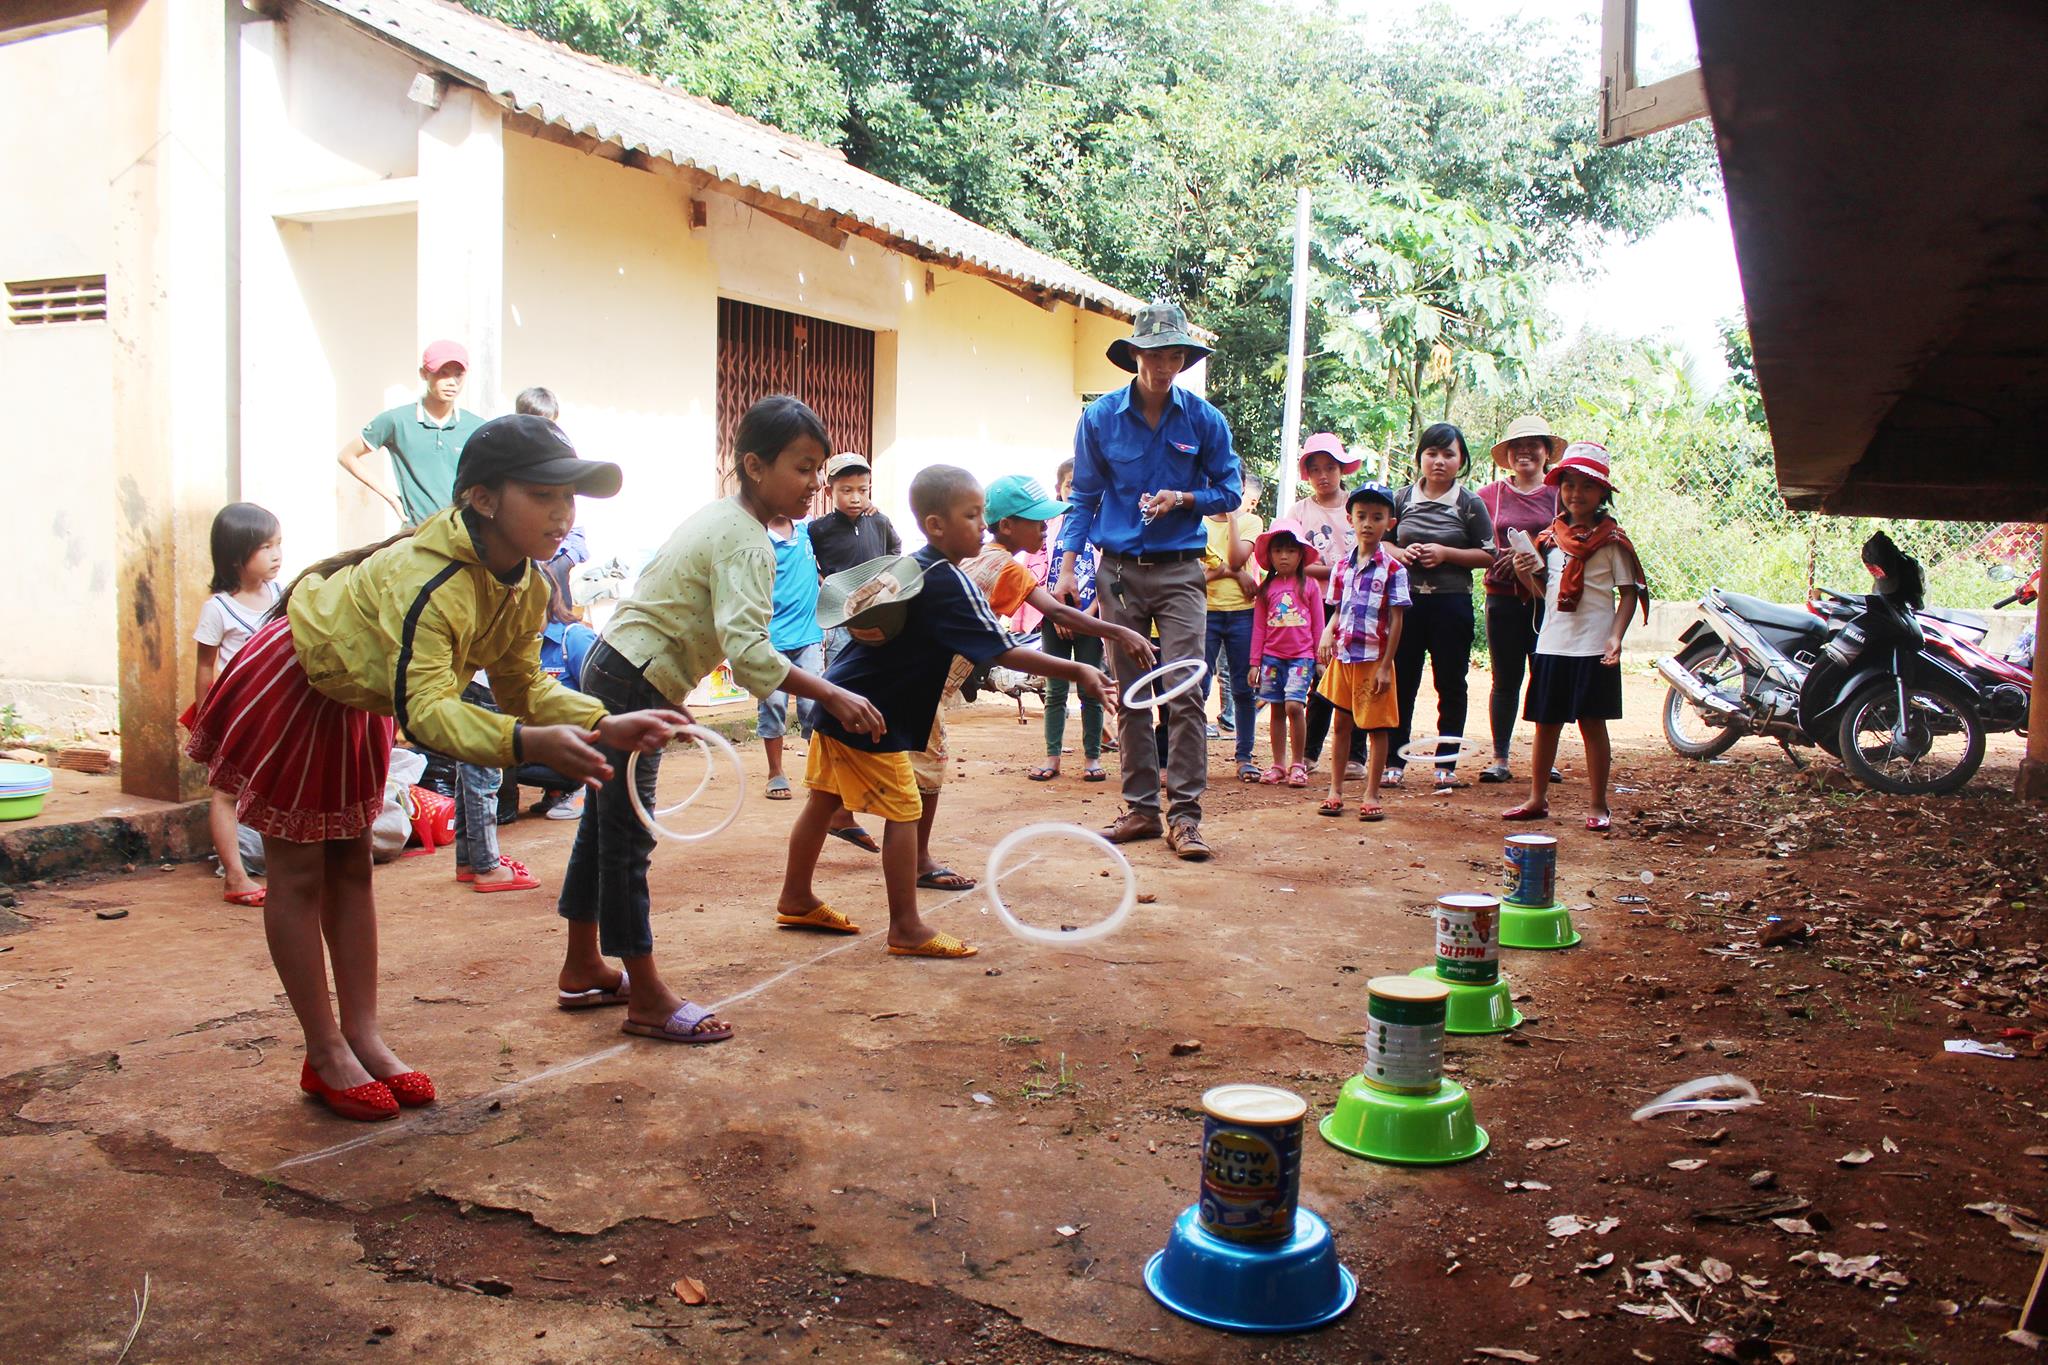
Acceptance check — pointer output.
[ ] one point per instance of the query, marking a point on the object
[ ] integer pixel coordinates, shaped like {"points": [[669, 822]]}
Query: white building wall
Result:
{"points": [[58, 662]]}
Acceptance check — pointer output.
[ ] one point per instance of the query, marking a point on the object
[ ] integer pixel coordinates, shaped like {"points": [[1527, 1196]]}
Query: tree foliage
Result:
{"points": [[1159, 145]]}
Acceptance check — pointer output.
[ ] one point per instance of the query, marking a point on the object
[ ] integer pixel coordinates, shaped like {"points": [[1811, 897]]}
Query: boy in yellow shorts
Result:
{"points": [[908, 616], [1358, 644]]}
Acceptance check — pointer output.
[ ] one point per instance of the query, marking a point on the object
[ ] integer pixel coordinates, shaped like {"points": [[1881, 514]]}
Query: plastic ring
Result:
{"points": [[1058, 938], [710, 765], [1429, 749], [707, 740], [1195, 669]]}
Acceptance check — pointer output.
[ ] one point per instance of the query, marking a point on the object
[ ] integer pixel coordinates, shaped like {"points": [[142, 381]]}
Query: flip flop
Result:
{"points": [[1526, 813], [1095, 775], [1333, 806], [938, 945], [244, 897], [521, 879], [778, 789], [858, 837], [597, 997], [1371, 813], [1043, 774], [686, 1025], [822, 917], [944, 879], [1599, 823]]}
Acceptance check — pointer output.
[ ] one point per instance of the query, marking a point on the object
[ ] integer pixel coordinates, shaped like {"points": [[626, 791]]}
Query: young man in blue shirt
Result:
{"points": [[1150, 461]]}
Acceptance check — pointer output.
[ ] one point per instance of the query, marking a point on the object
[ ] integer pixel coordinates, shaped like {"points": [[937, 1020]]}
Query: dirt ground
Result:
{"points": [[970, 1161]]}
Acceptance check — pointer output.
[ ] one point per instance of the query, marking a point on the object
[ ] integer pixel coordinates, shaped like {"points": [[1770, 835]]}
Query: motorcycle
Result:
{"points": [[1858, 677]]}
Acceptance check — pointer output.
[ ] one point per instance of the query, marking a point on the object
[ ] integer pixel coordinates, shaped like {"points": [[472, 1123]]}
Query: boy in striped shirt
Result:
{"points": [[1358, 644]]}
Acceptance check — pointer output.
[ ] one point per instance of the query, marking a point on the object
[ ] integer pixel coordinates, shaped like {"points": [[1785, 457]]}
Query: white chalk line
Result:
{"points": [[392, 1130]]}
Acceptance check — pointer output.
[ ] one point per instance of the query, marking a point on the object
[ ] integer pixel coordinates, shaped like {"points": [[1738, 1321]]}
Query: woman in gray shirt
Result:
{"points": [[1444, 533]]}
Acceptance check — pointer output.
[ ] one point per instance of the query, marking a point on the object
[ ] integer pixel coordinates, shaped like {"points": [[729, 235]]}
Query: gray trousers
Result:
{"points": [[1174, 597]]}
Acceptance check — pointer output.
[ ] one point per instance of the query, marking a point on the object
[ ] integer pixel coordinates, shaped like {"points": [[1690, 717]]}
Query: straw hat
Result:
{"points": [[1530, 424], [1583, 457]]}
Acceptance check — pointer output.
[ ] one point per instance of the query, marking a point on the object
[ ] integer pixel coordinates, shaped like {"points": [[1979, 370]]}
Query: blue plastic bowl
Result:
{"points": [[1291, 1286]]}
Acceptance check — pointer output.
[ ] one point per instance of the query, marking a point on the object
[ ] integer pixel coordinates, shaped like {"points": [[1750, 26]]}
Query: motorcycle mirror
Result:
{"points": [[1999, 573]]}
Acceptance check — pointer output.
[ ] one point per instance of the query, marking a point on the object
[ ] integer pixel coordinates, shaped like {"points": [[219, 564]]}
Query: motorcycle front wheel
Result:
{"points": [[1686, 730], [1932, 752]]}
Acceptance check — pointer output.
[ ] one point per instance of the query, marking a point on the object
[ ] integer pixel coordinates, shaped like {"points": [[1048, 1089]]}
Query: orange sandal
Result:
{"points": [[823, 917], [938, 945]]}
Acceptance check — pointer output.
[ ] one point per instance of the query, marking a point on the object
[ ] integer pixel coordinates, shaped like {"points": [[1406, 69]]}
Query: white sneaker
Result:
{"points": [[571, 809]]}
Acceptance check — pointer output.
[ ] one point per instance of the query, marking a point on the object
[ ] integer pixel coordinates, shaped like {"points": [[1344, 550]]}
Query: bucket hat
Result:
{"points": [[1528, 424], [1326, 443], [872, 600], [1583, 457], [1156, 325], [1020, 495], [1294, 531], [532, 450]]}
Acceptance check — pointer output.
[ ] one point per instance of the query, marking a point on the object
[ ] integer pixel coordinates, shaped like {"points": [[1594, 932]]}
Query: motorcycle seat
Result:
{"points": [[1758, 612], [1966, 620]]}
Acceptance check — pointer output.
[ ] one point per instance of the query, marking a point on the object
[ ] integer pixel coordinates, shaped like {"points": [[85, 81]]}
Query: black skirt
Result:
{"points": [[1568, 687]]}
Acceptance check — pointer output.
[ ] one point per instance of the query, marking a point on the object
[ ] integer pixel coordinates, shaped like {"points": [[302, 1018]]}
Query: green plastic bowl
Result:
{"points": [[22, 807], [1528, 927], [1473, 1008], [1405, 1130]]}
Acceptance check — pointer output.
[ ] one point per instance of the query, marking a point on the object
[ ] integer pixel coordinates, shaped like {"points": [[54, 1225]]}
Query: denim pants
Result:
{"points": [[607, 876], [771, 719], [476, 801], [1439, 625], [1230, 639], [1084, 649]]}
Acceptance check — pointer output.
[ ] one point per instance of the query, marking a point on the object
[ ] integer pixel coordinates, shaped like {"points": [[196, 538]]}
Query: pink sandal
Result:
{"points": [[1297, 776], [1526, 812], [1272, 777]]}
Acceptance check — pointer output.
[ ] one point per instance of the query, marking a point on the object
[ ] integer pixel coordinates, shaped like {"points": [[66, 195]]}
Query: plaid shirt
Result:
{"points": [[1366, 591]]}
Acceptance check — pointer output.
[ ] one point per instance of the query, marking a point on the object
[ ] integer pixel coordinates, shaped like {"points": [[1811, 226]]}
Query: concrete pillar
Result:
{"points": [[170, 302], [462, 238]]}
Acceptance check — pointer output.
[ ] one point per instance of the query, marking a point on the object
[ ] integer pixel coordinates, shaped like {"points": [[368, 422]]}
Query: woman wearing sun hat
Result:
{"points": [[1591, 580], [1522, 500]]}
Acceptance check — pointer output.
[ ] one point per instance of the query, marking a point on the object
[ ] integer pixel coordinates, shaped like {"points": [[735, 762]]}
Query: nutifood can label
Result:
{"points": [[1251, 1162], [1468, 939], [1531, 867], [1404, 1034]]}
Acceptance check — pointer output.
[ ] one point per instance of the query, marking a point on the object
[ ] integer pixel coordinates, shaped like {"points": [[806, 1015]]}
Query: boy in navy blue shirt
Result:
{"points": [[904, 676]]}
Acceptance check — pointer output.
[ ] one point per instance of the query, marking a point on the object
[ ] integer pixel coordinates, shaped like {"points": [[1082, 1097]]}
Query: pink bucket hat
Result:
{"points": [[1583, 457], [1326, 443], [1294, 531]]}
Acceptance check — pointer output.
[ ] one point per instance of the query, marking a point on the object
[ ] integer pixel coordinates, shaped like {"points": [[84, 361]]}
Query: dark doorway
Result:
{"points": [[762, 351]]}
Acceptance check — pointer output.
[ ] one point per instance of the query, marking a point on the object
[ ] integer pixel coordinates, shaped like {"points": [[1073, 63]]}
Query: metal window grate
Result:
{"points": [[830, 366], [36, 303]]}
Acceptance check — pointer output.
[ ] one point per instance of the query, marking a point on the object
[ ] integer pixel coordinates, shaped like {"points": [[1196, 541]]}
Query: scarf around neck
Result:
{"points": [[1579, 546]]}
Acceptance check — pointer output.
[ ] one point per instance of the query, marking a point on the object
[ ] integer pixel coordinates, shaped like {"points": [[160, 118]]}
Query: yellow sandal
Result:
{"points": [[938, 945], [824, 918]]}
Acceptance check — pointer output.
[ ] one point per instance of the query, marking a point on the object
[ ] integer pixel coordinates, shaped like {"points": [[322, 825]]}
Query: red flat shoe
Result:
{"points": [[1526, 813], [521, 879], [1599, 823], [410, 1088], [370, 1102]]}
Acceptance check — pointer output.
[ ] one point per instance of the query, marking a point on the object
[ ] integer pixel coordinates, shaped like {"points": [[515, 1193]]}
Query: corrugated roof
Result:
{"points": [[564, 89]]}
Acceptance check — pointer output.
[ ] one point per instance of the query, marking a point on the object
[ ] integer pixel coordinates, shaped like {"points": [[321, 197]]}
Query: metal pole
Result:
{"points": [[1297, 345], [2033, 784]]}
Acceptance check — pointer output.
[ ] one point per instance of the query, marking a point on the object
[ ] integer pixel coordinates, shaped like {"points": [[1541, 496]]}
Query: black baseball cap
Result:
{"points": [[532, 450], [1369, 492]]}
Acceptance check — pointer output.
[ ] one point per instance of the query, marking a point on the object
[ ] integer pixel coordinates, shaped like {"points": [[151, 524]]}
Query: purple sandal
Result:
{"points": [[689, 1024]]}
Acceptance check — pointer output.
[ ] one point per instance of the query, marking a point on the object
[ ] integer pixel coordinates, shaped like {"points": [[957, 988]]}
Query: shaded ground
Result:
{"points": [[835, 1185]]}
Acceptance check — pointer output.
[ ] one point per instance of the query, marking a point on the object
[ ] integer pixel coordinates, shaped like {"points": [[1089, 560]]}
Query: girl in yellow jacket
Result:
{"points": [[299, 727]]}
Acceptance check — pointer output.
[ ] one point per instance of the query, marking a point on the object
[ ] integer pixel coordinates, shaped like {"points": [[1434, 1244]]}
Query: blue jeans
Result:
{"points": [[772, 719], [1230, 639], [476, 801], [607, 876]]}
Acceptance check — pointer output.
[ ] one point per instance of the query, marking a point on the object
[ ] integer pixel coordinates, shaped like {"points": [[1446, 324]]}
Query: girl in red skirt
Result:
{"points": [[299, 727]]}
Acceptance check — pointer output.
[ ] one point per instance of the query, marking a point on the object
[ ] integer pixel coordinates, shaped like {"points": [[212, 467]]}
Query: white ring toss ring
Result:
{"points": [[707, 742], [1058, 938], [1195, 669], [1430, 749]]}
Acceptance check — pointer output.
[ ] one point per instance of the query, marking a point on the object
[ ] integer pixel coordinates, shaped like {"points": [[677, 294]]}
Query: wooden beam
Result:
{"points": [[2033, 786], [21, 20], [761, 203]]}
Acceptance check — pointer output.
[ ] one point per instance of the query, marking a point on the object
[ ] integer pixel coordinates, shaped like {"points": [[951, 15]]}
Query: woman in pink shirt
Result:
{"points": [[1522, 500]]}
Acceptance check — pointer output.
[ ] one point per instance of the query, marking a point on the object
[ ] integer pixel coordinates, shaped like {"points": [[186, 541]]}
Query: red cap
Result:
{"points": [[440, 354]]}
